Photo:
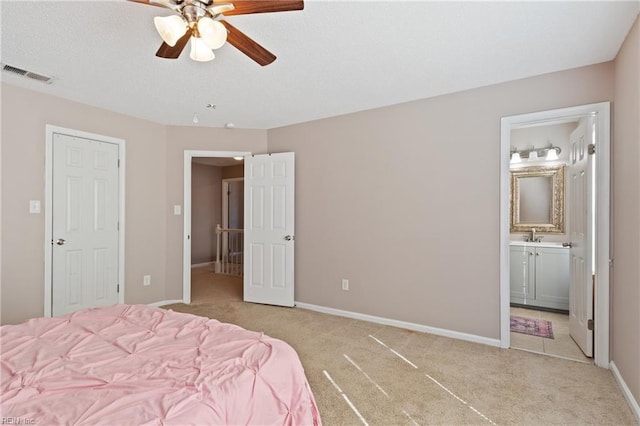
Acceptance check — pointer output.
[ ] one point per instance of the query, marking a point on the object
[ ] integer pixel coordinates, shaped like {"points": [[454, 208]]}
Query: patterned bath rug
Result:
{"points": [[534, 327]]}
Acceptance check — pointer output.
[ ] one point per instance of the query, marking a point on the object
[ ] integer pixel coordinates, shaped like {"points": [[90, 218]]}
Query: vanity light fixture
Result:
{"points": [[549, 153]]}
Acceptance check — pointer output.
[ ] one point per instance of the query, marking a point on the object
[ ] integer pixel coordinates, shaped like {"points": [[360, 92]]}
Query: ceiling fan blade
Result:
{"points": [[246, 45], [174, 52], [244, 7]]}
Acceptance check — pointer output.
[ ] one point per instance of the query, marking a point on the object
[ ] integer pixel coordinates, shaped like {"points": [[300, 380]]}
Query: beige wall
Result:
{"points": [[206, 211], [625, 297], [404, 201], [154, 183], [233, 171], [24, 117]]}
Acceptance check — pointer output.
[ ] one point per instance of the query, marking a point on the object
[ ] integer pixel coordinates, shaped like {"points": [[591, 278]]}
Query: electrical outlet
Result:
{"points": [[177, 210], [345, 284], [146, 280]]}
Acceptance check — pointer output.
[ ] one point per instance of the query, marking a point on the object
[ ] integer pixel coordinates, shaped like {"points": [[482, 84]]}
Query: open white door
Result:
{"points": [[269, 228], [580, 189], [85, 236]]}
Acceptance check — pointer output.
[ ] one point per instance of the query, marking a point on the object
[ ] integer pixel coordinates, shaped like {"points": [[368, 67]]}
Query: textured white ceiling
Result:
{"points": [[334, 57]]}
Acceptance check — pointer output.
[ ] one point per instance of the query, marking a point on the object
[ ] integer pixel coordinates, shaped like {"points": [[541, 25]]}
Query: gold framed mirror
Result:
{"points": [[537, 199]]}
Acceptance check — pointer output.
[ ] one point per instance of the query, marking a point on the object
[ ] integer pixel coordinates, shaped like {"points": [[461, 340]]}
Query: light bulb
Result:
{"points": [[170, 28], [200, 51], [212, 32]]}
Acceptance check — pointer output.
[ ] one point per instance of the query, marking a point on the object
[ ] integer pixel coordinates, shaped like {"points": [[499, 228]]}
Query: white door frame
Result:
{"points": [[601, 213], [48, 206], [186, 235]]}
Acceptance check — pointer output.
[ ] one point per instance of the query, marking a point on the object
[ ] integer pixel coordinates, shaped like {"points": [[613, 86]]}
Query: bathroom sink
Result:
{"points": [[535, 244]]}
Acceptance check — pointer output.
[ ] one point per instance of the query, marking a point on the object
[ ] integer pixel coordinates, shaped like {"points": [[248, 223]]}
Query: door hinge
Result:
{"points": [[118, 226], [592, 149], [590, 325], [118, 288]]}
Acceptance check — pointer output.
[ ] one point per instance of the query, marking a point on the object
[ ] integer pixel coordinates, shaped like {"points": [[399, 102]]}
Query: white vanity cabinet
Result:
{"points": [[539, 275]]}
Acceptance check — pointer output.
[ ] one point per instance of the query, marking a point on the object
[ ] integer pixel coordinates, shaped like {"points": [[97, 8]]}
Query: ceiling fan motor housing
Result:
{"points": [[194, 11]]}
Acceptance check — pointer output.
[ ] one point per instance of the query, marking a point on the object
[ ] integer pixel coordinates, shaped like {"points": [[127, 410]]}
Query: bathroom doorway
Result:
{"points": [[598, 237]]}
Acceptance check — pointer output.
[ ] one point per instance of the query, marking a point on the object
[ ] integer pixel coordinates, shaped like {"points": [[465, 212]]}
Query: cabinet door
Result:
{"points": [[521, 274], [552, 277]]}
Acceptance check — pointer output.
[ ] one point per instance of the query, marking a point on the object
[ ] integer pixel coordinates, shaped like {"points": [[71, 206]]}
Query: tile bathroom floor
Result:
{"points": [[561, 345]]}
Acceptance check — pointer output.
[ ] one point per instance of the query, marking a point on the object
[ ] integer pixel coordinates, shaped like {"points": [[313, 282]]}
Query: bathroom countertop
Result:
{"points": [[536, 244]]}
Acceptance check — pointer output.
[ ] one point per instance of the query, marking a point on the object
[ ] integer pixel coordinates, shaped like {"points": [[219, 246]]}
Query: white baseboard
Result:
{"points": [[165, 302], [402, 324], [633, 404], [197, 265]]}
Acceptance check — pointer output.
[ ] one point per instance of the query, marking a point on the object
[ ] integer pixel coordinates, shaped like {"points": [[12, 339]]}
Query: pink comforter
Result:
{"points": [[134, 364]]}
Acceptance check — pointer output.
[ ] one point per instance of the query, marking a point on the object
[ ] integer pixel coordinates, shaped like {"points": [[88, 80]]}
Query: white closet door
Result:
{"points": [[85, 224]]}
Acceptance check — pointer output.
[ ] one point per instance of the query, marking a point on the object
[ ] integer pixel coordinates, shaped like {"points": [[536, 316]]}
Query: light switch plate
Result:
{"points": [[177, 210], [34, 206]]}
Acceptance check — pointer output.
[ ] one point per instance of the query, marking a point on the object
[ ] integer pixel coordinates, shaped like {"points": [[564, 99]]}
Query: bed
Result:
{"points": [[141, 365]]}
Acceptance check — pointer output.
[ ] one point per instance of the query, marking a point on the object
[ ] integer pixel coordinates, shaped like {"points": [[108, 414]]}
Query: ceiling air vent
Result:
{"points": [[28, 74]]}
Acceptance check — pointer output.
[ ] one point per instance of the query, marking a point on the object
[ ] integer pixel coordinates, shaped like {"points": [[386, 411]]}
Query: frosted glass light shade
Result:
{"points": [[170, 28], [533, 156], [200, 51], [552, 155], [212, 32], [515, 158]]}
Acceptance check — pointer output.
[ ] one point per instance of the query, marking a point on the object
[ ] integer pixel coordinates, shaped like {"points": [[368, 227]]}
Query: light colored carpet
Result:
{"points": [[392, 376]]}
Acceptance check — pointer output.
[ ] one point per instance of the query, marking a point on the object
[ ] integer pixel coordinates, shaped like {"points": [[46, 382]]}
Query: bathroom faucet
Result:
{"points": [[533, 237]]}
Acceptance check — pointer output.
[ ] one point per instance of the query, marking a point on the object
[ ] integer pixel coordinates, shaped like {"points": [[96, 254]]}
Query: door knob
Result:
{"points": [[288, 237], [60, 241]]}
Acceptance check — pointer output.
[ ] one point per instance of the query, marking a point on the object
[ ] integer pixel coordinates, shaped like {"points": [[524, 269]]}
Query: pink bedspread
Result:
{"points": [[138, 365]]}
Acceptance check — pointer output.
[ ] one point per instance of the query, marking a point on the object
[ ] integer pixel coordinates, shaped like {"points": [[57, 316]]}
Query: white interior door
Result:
{"points": [[85, 223], [269, 228], [580, 190]]}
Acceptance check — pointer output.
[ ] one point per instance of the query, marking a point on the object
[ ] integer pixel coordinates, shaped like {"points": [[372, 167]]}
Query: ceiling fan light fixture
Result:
{"points": [[200, 51], [212, 32], [170, 28]]}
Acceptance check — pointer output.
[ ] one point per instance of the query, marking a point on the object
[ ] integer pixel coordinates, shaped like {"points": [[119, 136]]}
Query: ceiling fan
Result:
{"points": [[199, 21]]}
